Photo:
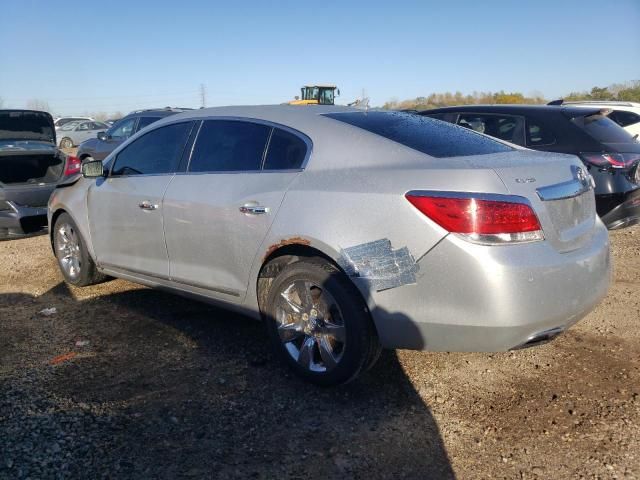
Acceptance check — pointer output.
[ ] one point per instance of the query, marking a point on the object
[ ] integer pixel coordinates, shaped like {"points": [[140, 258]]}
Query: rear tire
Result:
{"points": [[74, 260], [318, 323]]}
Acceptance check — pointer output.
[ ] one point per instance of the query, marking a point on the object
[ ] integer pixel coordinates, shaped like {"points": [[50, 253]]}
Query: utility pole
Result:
{"points": [[203, 96]]}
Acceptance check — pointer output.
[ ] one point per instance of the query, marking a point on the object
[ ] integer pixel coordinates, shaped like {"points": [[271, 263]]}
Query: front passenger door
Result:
{"points": [[125, 210]]}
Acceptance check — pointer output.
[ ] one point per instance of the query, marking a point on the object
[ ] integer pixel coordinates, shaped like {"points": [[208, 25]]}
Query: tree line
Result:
{"points": [[629, 91]]}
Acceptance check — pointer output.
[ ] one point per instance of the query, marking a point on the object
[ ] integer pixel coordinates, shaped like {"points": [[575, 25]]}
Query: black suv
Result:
{"points": [[610, 153], [105, 142]]}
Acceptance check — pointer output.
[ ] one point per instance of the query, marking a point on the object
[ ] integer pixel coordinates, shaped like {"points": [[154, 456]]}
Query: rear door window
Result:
{"points": [[426, 135], [286, 151], [539, 134], [505, 127], [445, 117], [146, 121], [229, 145], [156, 152]]}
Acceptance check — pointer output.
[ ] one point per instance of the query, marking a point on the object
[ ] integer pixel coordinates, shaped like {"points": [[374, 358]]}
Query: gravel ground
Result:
{"points": [[126, 382]]}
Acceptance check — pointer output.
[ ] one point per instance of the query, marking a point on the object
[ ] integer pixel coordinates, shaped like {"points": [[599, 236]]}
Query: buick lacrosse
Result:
{"points": [[347, 231]]}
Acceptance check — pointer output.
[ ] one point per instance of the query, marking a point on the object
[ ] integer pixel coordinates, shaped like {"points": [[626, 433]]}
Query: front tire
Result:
{"points": [[74, 260], [318, 323]]}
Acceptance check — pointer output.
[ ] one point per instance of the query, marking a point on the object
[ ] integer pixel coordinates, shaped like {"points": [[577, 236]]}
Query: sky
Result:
{"points": [[86, 56]]}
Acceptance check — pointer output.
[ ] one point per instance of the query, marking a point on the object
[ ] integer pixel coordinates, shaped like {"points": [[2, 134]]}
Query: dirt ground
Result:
{"points": [[126, 382]]}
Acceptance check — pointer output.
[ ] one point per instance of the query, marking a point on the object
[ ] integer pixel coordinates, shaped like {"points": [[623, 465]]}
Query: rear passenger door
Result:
{"points": [[505, 127], [217, 214]]}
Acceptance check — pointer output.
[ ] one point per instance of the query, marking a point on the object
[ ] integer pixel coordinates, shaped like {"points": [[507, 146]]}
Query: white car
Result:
{"points": [[625, 114], [61, 121]]}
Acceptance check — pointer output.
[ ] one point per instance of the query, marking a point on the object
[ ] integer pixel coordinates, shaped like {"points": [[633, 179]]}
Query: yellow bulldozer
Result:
{"points": [[316, 95]]}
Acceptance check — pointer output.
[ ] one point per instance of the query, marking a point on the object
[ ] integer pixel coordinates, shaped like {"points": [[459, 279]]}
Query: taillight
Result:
{"points": [[72, 166], [611, 160], [478, 219]]}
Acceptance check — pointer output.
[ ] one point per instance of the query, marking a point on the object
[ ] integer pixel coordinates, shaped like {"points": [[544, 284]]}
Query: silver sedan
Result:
{"points": [[76, 132], [346, 231]]}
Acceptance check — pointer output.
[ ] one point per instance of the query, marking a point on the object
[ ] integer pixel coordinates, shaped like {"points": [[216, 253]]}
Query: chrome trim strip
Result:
{"points": [[560, 191], [131, 271]]}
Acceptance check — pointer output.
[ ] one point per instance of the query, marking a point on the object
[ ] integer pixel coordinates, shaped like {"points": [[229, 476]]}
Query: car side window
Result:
{"points": [[122, 129], [505, 127], [286, 151], [146, 121], [537, 134], [156, 152], [84, 126], [624, 118], [229, 145]]}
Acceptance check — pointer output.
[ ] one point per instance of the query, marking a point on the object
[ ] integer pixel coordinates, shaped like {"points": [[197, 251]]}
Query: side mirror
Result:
{"points": [[102, 136], [93, 169]]}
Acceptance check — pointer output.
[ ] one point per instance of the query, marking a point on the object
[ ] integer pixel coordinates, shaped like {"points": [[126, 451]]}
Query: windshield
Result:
{"points": [[433, 137], [326, 96], [310, 93], [69, 126], [64, 121], [26, 125]]}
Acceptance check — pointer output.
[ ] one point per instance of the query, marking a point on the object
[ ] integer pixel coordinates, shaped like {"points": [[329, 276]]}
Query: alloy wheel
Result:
{"points": [[68, 250], [311, 326]]}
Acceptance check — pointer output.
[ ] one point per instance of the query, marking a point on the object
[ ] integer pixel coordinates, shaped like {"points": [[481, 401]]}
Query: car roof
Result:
{"points": [[156, 112], [608, 103], [299, 117], [515, 109]]}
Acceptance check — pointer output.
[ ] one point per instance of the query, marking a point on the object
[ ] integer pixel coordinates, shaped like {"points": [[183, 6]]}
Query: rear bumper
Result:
{"points": [[477, 298], [20, 222], [626, 213]]}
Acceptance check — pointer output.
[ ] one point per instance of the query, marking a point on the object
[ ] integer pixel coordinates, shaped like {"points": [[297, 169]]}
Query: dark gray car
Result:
{"points": [[30, 168], [106, 141]]}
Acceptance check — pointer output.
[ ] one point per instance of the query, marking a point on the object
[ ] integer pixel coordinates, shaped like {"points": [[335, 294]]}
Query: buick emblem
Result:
{"points": [[583, 177]]}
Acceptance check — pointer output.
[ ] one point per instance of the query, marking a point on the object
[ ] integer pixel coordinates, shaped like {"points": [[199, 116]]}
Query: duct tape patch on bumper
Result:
{"points": [[379, 265]]}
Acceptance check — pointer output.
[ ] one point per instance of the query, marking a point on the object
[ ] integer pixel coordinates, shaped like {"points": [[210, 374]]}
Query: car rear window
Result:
{"points": [[286, 151], [603, 129], [433, 137]]}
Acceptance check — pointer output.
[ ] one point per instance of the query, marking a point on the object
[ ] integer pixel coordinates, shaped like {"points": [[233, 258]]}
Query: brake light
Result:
{"points": [[73, 166], [481, 220], [611, 160]]}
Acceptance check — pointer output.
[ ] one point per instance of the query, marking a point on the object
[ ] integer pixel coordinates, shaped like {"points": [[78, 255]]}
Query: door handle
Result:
{"points": [[146, 205], [254, 209]]}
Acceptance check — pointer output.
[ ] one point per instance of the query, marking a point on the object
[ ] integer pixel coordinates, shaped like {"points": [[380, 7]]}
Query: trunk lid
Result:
{"points": [[560, 191], [16, 125]]}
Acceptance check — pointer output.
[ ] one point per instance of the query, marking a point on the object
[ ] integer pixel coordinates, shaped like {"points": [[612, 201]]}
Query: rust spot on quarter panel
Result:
{"points": [[284, 243]]}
